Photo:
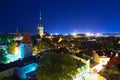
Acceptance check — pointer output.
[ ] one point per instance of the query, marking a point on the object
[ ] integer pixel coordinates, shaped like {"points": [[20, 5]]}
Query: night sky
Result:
{"points": [[60, 16]]}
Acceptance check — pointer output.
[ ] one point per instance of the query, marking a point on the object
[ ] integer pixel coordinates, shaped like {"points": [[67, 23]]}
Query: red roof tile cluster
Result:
{"points": [[113, 61], [27, 39]]}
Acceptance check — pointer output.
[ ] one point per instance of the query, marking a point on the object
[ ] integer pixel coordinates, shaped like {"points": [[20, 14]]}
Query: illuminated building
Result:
{"points": [[19, 68], [23, 66], [93, 57], [26, 46], [23, 49], [111, 69], [83, 68], [18, 37], [40, 27]]}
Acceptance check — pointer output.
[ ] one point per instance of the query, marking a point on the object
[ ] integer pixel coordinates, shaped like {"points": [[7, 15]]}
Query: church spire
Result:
{"points": [[40, 27], [40, 24]]}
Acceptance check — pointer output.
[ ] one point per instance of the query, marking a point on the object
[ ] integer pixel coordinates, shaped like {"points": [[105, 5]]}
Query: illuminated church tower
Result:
{"points": [[40, 27], [26, 46]]}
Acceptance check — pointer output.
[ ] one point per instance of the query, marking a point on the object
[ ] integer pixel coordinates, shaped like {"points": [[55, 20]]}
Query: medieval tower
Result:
{"points": [[26, 46]]}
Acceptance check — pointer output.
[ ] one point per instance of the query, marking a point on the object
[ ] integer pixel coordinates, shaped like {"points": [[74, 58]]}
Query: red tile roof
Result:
{"points": [[113, 61], [27, 39]]}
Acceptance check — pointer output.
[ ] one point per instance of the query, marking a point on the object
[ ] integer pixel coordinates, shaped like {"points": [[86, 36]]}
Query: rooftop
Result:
{"points": [[27, 39], [113, 61]]}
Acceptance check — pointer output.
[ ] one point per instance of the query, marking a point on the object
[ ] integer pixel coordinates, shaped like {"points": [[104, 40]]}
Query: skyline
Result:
{"points": [[61, 16]]}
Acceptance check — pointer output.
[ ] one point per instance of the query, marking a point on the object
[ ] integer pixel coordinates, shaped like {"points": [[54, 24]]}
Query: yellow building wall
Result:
{"points": [[100, 77]]}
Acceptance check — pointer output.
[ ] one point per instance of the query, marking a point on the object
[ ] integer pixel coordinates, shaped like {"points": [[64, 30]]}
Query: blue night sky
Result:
{"points": [[60, 16]]}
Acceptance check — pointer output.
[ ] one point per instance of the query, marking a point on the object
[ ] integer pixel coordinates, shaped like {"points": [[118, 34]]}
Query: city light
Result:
{"points": [[56, 33], [98, 67], [88, 34], [98, 35], [65, 34], [74, 34]]}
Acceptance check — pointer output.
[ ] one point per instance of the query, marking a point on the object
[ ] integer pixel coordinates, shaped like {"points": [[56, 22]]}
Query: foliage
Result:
{"points": [[12, 47], [3, 58], [53, 66], [43, 45], [66, 44], [5, 37], [108, 45], [69, 37]]}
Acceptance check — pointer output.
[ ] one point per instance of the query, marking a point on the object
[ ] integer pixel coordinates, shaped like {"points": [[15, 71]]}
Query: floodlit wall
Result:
{"points": [[25, 50], [22, 71]]}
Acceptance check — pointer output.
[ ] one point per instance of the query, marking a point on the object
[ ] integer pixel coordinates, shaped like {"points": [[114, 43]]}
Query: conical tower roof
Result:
{"points": [[27, 39]]}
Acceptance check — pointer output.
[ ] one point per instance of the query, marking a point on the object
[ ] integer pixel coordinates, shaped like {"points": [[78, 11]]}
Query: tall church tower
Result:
{"points": [[26, 46], [40, 27]]}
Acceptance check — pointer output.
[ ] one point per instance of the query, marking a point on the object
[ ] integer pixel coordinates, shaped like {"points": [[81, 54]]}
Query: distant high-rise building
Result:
{"points": [[40, 27]]}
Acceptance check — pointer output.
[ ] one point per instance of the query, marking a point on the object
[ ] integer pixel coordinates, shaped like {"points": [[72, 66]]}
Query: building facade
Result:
{"points": [[26, 46]]}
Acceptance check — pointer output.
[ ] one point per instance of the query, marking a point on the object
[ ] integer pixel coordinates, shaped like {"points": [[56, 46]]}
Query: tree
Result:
{"points": [[66, 44], [108, 45], [6, 37], [3, 57], [12, 47], [56, 66], [43, 45]]}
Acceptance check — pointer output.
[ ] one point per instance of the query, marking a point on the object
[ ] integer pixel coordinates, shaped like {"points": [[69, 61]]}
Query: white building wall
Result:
{"points": [[25, 50], [22, 71]]}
